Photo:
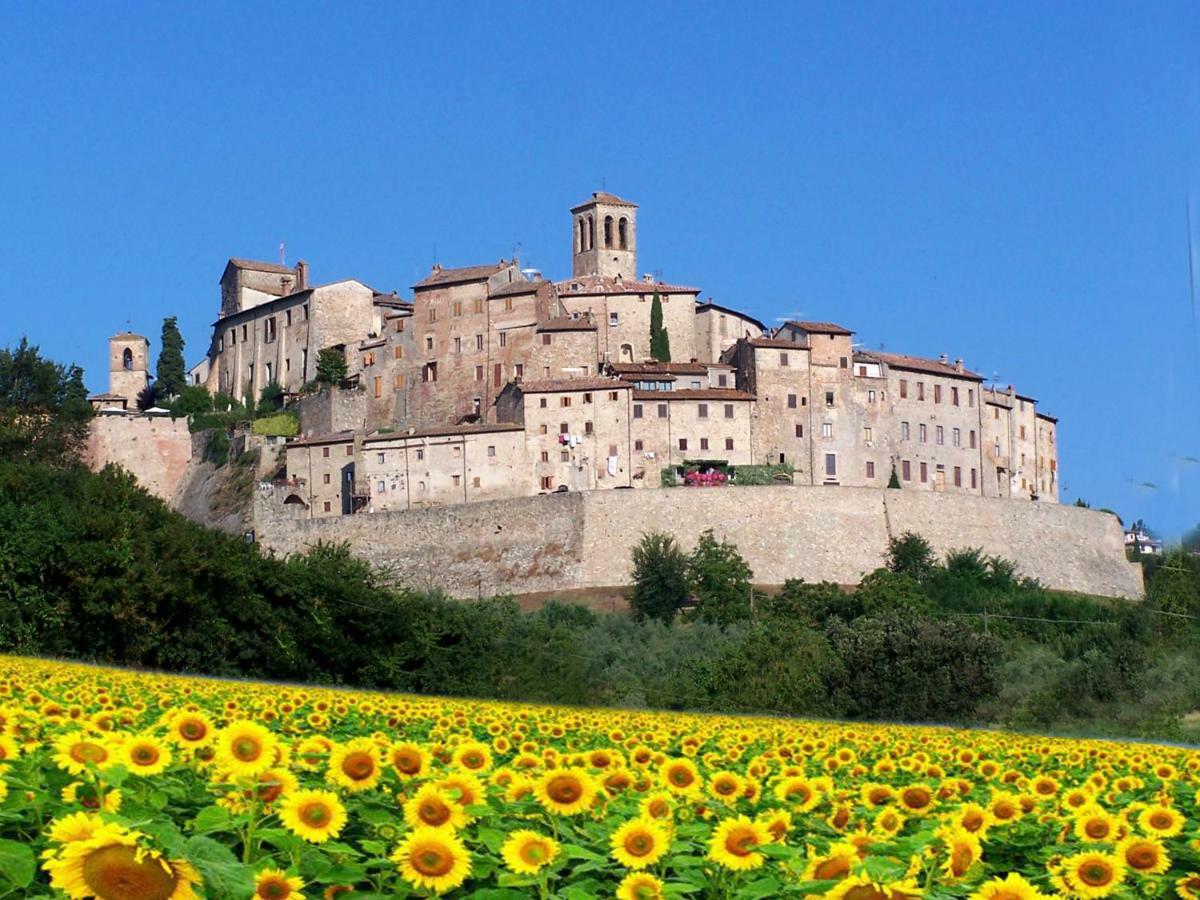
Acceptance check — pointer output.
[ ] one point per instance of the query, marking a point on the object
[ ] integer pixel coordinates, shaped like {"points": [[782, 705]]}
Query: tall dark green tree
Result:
{"points": [[331, 366], [660, 578], [660, 341], [720, 581], [170, 374]]}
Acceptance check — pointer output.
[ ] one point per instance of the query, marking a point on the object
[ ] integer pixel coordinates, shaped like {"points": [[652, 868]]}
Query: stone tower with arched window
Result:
{"points": [[128, 365], [604, 237]]}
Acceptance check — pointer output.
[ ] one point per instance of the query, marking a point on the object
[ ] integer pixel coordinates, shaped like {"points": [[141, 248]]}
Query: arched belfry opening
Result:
{"points": [[608, 231], [623, 233], [127, 360]]}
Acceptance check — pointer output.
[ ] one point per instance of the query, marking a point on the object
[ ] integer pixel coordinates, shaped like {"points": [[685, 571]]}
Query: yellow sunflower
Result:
{"points": [[1096, 825], [726, 786], [527, 852], [87, 796], [1092, 874], [246, 748], [408, 759], [1188, 887], [641, 886], [432, 858], [835, 863], [315, 816], [276, 884], [639, 843], [733, 843], [432, 807], [1011, 887], [113, 865], [1144, 855], [680, 776], [916, 799], [1161, 821], [356, 765], [962, 850], [472, 756], [77, 751], [861, 887], [190, 729], [565, 791], [72, 827], [798, 792], [145, 755]]}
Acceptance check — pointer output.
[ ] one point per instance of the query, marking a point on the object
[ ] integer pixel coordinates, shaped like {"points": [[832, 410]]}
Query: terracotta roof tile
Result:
{"points": [[920, 364], [444, 431], [820, 327], [336, 437], [654, 367], [604, 197], [440, 277], [778, 343], [259, 266], [602, 284]]}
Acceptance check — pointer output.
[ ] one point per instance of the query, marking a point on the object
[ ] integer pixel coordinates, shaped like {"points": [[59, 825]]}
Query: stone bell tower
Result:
{"points": [[128, 365], [605, 237]]}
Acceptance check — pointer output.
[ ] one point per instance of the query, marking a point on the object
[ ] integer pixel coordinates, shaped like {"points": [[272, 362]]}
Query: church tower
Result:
{"points": [[128, 365], [605, 237]]}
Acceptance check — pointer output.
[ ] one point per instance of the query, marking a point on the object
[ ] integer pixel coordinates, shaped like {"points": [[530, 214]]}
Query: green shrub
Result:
{"points": [[280, 425]]}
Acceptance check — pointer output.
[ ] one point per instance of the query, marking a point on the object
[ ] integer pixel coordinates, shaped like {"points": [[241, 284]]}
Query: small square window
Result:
{"points": [[799, 430], [703, 443], [565, 456], [637, 445], [729, 410], [637, 410], [327, 507], [702, 411], [783, 359], [728, 443], [491, 449], [870, 469], [829, 398], [683, 443]]}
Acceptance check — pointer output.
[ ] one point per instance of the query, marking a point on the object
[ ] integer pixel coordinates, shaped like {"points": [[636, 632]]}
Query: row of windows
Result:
{"points": [[456, 451], [940, 474], [587, 233], [701, 410], [939, 435], [565, 401], [547, 340], [937, 393]]}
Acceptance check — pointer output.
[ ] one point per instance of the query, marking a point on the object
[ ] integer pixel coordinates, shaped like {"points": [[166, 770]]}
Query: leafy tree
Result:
{"points": [[894, 480], [331, 366], [1082, 504], [811, 603], [906, 667], [660, 578], [169, 374], [660, 341], [910, 554], [883, 590], [193, 400], [1175, 584], [720, 581], [778, 666], [44, 412]]}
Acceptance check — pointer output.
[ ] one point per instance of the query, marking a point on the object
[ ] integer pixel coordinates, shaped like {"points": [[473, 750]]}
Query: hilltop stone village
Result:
{"points": [[493, 382]]}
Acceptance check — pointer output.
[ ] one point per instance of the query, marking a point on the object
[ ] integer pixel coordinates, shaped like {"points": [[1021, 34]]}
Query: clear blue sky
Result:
{"points": [[1006, 183]]}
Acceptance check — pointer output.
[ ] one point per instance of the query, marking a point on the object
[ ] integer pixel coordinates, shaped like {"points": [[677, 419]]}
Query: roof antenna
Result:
{"points": [[281, 262]]}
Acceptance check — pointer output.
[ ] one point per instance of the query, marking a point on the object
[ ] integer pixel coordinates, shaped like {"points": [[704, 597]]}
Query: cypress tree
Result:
{"points": [[660, 341], [170, 376], [894, 482]]}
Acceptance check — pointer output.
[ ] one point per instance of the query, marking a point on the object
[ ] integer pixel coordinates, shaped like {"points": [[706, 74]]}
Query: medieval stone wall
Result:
{"points": [[572, 541], [156, 449]]}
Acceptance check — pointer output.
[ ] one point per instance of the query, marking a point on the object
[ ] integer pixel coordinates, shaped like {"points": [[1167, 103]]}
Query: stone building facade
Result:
{"points": [[510, 384]]}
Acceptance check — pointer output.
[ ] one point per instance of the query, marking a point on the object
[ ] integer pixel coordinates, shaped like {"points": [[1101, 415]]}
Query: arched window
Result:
{"points": [[623, 233], [582, 245], [591, 233], [627, 353], [608, 235], [127, 359]]}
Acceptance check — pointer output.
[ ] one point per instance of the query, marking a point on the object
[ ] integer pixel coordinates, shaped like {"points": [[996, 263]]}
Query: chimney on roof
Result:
{"points": [[958, 365], [944, 359], [647, 278], [301, 275]]}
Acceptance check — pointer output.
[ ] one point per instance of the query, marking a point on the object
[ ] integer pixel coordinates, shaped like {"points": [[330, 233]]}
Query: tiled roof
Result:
{"points": [[440, 277], [126, 335], [1048, 417], [259, 266], [555, 385], [516, 287], [694, 394], [920, 364], [443, 431], [709, 304], [566, 323], [604, 197], [106, 396], [602, 284], [778, 343], [336, 437], [651, 367], [820, 327]]}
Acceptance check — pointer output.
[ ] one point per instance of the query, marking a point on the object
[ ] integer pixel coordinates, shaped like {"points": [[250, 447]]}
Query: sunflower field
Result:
{"points": [[128, 786]]}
